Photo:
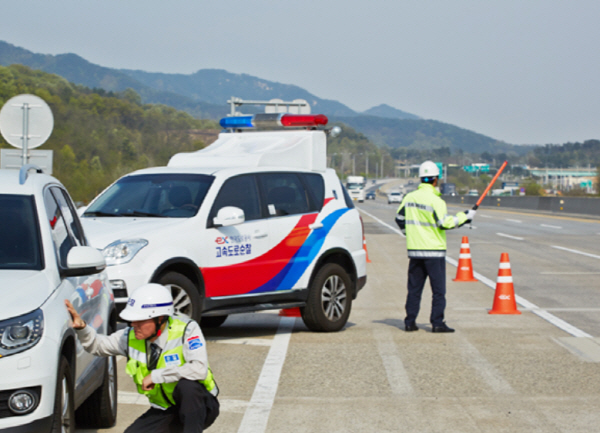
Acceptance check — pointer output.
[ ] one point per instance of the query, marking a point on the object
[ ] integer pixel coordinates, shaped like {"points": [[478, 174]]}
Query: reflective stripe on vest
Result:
{"points": [[137, 364], [426, 219]]}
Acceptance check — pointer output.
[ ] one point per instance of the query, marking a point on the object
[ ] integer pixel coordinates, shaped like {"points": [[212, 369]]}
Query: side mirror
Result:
{"points": [[229, 216], [84, 261]]}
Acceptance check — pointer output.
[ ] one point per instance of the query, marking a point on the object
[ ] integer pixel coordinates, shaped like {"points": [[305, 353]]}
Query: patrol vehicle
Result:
{"points": [[255, 221], [44, 259]]}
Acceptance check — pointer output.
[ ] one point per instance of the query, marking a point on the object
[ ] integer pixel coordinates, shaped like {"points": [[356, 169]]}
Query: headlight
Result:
{"points": [[21, 333], [120, 252]]}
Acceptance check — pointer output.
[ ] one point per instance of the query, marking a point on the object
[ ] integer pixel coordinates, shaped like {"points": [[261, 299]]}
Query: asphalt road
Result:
{"points": [[497, 373]]}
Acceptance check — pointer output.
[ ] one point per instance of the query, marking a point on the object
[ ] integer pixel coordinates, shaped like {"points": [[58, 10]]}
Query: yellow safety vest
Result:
{"points": [[137, 364], [423, 217]]}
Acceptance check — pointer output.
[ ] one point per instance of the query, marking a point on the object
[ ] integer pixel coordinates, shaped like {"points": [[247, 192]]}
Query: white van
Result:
{"points": [[255, 221]]}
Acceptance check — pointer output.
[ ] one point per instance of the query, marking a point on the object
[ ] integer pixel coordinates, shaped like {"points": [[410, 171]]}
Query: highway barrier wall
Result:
{"points": [[556, 205]]}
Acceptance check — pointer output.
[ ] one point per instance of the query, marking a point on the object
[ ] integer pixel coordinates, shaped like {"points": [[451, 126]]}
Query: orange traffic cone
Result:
{"points": [[290, 312], [504, 299], [464, 271]]}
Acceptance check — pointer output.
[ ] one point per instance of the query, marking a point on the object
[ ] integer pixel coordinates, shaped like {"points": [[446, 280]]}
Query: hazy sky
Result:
{"points": [[522, 71]]}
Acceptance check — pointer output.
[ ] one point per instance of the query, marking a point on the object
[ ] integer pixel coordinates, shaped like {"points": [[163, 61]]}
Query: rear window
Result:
{"points": [[170, 195], [20, 246]]}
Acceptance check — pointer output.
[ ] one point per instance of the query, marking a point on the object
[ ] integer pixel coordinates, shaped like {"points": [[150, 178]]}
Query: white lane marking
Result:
{"points": [[514, 221], [392, 363], [395, 230], [559, 323], [243, 341], [257, 414], [484, 216], [576, 252], [226, 405], [509, 236], [569, 273], [551, 227], [488, 373], [125, 397]]}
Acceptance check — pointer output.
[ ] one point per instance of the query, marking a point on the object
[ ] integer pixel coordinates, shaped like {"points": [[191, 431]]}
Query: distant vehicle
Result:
{"points": [[394, 197], [448, 189], [473, 192], [356, 188], [370, 195], [410, 182]]}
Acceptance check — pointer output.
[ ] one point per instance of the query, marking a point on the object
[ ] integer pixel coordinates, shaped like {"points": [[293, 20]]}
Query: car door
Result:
{"points": [[237, 260], [88, 293], [293, 204]]}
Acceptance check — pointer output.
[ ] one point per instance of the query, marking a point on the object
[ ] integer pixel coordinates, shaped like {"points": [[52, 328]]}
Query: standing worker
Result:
{"points": [[422, 217], [166, 357]]}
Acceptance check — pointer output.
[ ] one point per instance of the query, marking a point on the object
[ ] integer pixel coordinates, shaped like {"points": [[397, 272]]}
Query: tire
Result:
{"points": [[64, 400], [186, 298], [212, 321], [329, 300], [100, 408]]}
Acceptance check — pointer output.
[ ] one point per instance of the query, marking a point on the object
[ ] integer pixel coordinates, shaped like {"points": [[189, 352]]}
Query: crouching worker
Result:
{"points": [[166, 357]]}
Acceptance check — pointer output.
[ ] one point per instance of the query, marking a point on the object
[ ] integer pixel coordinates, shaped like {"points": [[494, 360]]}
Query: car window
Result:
{"points": [[241, 192], [316, 189], [69, 215], [20, 246], [174, 195], [347, 199], [285, 194], [63, 241]]}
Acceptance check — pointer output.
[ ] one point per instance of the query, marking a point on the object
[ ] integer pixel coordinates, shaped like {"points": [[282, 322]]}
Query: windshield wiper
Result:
{"points": [[100, 213], [141, 213]]}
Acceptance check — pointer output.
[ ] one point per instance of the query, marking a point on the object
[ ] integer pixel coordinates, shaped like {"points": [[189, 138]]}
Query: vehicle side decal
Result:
{"points": [[246, 276], [295, 267], [279, 268]]}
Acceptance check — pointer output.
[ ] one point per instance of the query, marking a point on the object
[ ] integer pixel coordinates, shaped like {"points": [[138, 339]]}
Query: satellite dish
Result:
{"points": [[26, 121]]}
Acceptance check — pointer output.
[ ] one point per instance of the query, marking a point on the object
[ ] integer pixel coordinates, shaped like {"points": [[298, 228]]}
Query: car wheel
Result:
{"points": [[186, 298], [212, 321], [64, 403], [329, 300], [100, 409]]}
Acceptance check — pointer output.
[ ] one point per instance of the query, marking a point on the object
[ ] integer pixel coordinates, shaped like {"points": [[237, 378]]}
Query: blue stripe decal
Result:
{"points": [[293, 270]]}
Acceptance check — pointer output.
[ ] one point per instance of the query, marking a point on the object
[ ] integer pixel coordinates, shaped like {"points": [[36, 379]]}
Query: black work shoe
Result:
{"points": [[442, 328], [411, 328]]}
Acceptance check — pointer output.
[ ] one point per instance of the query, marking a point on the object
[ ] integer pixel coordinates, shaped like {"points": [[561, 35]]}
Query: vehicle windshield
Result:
{"points": [[164, 195], [351, 186], [20, 246]]}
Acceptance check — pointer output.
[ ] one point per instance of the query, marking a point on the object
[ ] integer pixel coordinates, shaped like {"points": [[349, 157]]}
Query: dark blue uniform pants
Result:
{"points": [[418, 271], [195, 410]]}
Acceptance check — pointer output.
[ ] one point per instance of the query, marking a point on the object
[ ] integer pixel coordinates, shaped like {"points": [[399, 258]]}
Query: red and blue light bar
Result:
{"points": [[274, 120]]}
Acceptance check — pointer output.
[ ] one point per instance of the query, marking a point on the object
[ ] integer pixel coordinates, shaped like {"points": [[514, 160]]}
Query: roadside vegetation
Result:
{"points": [[98, 136]]}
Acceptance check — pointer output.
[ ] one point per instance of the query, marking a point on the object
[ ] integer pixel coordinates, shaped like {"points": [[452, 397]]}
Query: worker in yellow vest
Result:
{"points": [[166, 357], [423, 218]]}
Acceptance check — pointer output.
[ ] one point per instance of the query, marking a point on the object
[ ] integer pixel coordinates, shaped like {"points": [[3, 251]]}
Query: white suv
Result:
{"points": [[44, 259], [254, 221]]}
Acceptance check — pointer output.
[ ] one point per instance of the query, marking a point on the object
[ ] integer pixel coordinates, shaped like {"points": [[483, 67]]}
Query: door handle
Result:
{"points": [[259, 235], [315, 226]]}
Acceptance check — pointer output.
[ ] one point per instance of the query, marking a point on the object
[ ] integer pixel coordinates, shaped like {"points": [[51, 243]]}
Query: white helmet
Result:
{"points": [[148, 301], [429, 169]]}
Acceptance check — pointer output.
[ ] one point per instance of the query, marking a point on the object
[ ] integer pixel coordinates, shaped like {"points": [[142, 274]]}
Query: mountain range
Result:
{"points": [[204, 93]]}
